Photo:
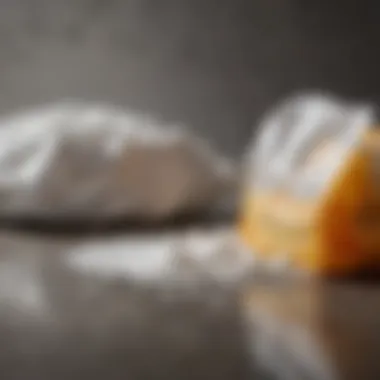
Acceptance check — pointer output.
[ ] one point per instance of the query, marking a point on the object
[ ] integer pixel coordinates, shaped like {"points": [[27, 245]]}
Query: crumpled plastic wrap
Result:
{"points": [[303, 141], [89, 161], [309, 175]]}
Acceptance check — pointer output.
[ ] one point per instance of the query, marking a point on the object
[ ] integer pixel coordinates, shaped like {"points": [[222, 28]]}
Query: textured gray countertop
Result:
{"points": [[120, 306], [173, 305], [316, 329]]}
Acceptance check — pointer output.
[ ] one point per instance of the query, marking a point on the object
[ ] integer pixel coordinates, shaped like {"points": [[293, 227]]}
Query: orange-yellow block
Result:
{"points": [[335, 233]]}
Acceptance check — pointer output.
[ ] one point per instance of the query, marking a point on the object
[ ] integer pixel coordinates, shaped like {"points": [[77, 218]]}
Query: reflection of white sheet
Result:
{"points": [[21, 289], [137, 258], [157, 257]]}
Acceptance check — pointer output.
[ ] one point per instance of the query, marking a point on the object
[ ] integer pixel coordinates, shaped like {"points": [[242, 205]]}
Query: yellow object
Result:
{"points": [[321, 211]]}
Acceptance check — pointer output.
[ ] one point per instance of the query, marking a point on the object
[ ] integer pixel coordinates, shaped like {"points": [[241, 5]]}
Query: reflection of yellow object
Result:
{"points": [[335, 233]]}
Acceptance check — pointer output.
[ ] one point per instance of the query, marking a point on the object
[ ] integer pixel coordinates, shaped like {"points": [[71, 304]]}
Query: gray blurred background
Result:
{"points": [[216, 65]]}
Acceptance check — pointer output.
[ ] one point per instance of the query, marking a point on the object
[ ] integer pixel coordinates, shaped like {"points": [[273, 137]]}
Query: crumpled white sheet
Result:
{"points": [[75, 160]]}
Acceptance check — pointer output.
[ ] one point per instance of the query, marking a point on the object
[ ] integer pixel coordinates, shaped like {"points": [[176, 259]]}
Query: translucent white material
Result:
{"points": [[179, 256], [303, 142], [93, 161]]}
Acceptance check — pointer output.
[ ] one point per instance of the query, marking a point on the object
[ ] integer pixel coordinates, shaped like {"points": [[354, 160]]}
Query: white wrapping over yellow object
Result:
{"points": [[312, 176]]}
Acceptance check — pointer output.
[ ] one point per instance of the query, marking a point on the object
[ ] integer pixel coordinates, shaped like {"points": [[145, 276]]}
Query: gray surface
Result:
{"points": [[216, 65], [105, 308], [63, 319], [318, 330]]}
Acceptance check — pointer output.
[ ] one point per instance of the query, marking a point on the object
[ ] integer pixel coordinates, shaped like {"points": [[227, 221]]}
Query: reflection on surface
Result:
{"points": [[317, 330], [156, 257], [93, 326], [22, 290]]}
